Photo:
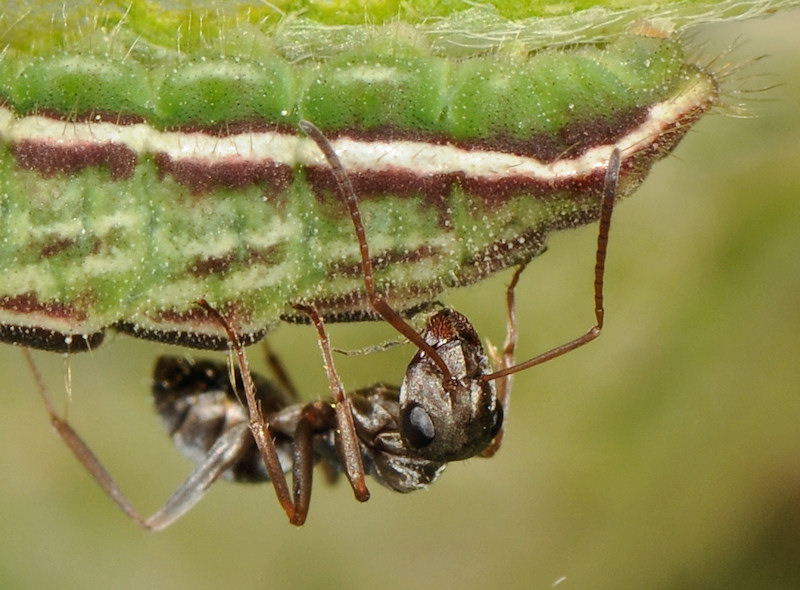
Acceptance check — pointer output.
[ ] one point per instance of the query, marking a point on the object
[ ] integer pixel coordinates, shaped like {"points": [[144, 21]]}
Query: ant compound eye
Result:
{"points": [[498, 421], [416, 426]]}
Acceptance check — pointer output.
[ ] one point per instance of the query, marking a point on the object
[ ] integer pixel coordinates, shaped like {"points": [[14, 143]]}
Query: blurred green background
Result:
{"points": [[665, 455]]}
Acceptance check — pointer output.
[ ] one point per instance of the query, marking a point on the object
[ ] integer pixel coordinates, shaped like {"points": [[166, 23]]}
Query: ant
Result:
{"points": [[449, 407]]}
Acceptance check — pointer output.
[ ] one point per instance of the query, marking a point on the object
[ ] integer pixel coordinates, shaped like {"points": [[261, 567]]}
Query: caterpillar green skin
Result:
{"points": [[120, 206]]}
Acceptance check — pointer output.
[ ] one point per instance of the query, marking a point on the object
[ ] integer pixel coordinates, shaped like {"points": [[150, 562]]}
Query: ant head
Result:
{"points": [[447, 420]]}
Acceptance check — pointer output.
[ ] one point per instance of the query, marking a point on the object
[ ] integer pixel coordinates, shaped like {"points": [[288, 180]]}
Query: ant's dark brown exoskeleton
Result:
{"points": [[449, 407]]}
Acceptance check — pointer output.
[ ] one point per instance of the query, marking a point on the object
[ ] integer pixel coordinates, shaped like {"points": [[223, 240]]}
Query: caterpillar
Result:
{"points": [[141, 170]]}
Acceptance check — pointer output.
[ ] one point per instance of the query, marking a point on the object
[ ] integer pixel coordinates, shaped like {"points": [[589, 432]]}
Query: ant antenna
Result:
{"points": [[606, 209], [378, 302]]}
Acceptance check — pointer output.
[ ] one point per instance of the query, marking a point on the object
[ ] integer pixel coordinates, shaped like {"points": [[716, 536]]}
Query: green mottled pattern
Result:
{"points": [[506, 94], [127, 250]]}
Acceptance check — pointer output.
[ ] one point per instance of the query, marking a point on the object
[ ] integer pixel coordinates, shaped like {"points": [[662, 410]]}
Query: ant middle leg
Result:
{"points": [[346, 440]]}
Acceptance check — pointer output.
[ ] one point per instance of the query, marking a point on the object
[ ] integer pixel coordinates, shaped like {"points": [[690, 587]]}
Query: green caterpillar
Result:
{"points": [[143, 168]]}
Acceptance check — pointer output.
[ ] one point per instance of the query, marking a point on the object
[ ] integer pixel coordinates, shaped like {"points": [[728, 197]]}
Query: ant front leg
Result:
{"points": [[507, 367], [505, 359]]}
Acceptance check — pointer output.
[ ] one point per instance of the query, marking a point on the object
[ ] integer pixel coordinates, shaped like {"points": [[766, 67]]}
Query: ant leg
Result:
{"points": [[260, 431], [378, 302], [279, 371], [81, 450], [347, 441], [606, 209], [228, 449], [506, 359]]}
